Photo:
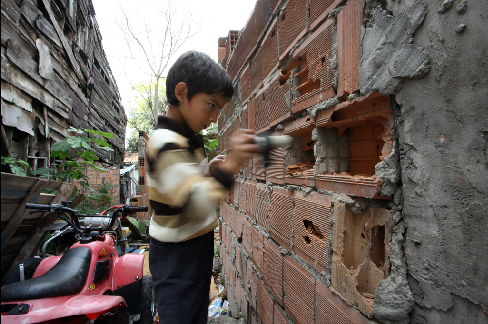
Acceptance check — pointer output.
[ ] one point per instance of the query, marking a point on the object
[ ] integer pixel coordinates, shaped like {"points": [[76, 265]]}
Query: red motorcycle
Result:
{"points": [[90, 283]]}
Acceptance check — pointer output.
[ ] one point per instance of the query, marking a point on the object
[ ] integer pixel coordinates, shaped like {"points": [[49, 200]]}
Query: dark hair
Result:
{"points": [[200, 74]]}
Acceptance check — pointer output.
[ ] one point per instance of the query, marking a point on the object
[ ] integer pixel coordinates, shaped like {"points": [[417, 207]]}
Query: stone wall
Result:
{"points": [[375, 212]]}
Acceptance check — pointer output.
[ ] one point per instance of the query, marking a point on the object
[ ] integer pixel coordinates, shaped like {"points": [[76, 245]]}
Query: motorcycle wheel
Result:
{"points": [[148, 301], [30, 266]]}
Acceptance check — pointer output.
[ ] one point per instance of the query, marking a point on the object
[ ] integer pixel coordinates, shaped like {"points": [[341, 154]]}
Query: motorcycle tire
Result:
{"points": [[30, 266], [148, 301]]}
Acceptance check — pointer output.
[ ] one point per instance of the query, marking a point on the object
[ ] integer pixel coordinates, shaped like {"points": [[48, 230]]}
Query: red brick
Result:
{"points": [[262, 205], [277, 98], [225, 213], [245, 85], [251, 114], [246, 236], [312, 210], [243, 195], [262, 108], [316, 75], [300, 127], [319, 9], [258, 168], [299, 288], [251, 199], [330, 308], [292, 25], [251, 284], [270, 50], [349, 21], [257, 243], [279, 316], [264, 304], [280, 214], [241, 299], [226, 236], [273, 270], [275, 171]]}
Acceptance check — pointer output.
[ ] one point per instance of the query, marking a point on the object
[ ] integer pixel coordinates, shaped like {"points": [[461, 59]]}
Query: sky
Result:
{"points": [[212, 19]]}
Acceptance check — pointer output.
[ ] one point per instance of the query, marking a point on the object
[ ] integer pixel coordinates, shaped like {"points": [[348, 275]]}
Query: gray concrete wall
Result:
{"points": [[441, 124]]}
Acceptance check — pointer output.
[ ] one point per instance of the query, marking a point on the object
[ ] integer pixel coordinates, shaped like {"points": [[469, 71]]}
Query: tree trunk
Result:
{"points": [[156, 103]]}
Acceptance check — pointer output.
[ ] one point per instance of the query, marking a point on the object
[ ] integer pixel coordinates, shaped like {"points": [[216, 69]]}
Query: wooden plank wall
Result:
{"points": [[21, 230], [54, 74]]}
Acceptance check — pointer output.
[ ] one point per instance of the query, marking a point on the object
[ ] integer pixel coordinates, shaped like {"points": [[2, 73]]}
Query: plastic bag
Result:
{"points": [[217, 308]]}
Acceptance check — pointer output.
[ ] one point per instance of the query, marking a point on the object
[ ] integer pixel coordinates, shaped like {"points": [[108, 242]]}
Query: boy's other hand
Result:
{"points": [[242, 148], [215, 163]]}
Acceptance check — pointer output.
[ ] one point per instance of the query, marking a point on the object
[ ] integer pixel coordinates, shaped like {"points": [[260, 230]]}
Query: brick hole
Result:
{"points": [[284, 16], [365, 146], [378, 245], [299, 157], [355, 241], [307, 239], [312, 229], [273, 33]]}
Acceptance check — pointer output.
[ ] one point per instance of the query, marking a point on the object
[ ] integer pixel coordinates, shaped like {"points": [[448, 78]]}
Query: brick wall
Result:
{"points": [[292, 247]]}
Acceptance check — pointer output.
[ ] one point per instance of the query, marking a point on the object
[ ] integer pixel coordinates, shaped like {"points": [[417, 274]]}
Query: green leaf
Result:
{"points": [[107, 135], [88, 155], [76, 130], [101, 142], [74, 142], [17, 170], [85, 143], [61, 149], [86, 185], [96, 167], [105, 148], [7, 159], [42, 171]]}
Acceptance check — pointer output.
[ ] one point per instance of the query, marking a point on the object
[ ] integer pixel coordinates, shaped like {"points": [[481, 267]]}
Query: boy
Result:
{"points": [[184, 188]]}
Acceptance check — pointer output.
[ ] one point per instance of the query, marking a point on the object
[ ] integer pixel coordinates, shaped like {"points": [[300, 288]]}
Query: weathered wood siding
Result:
{"points": [[54, 74]]}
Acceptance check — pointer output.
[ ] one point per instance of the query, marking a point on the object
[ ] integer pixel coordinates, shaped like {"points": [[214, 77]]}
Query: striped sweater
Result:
{"points": [[181, 191]]}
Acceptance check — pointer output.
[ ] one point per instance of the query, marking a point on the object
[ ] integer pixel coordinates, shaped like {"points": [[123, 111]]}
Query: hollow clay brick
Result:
{"points": [[330, 308], [319, 9], [349, 21], [299, 288], [311, 227], [280, 215], [292, 25], [264, 304], [360, 254], [273, 270], [262, 205]]}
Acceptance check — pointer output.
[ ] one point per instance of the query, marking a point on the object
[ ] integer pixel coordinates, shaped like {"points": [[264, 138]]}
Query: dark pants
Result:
{"points": [[181, 276]]}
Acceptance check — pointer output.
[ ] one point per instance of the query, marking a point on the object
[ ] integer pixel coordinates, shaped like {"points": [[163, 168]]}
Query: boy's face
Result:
{"points": [[201, 110]]}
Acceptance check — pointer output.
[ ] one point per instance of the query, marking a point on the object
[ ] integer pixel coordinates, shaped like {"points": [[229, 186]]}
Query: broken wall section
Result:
{"points": [[278, 224]]}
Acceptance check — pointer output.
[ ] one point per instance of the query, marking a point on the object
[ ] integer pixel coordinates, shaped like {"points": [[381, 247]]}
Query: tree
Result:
{"points": [[141, 112], [155, 36]]}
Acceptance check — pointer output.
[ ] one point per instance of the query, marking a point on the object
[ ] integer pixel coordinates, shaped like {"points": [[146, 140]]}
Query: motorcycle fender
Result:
{"points": [[127, 269], [46, 265], [91, 306]]}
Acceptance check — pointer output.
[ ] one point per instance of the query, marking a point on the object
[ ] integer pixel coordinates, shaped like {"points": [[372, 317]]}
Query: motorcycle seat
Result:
{"points": [[67, 277]]}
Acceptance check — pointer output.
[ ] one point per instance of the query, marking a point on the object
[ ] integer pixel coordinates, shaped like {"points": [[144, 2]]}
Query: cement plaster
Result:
{"points": [[442, 126]]}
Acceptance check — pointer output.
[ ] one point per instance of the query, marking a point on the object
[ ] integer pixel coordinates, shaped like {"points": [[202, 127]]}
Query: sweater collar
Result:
{"points": [[165, 122]]}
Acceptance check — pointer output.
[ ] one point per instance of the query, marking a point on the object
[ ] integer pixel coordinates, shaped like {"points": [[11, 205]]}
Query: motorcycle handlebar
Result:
{"points": [[123, 209], [138, 209], [36, 206]]}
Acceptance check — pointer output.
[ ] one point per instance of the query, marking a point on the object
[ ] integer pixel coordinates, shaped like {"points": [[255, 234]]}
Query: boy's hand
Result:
{"points": [[215, 163], [242, 148]]}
